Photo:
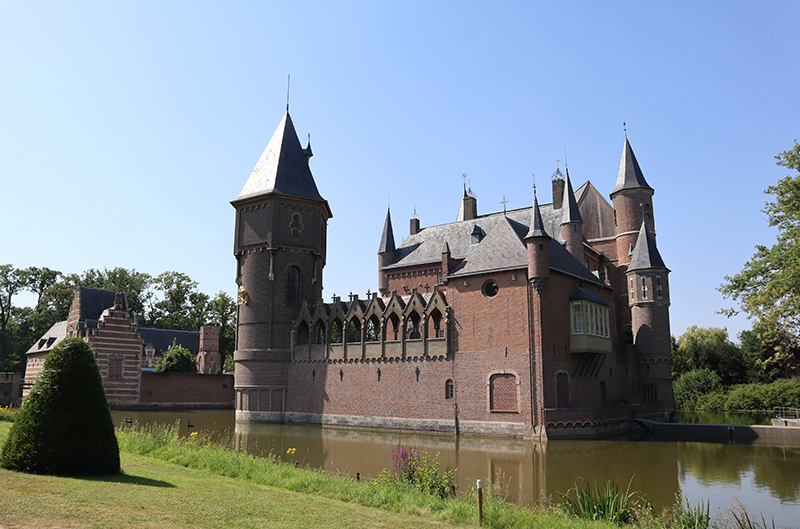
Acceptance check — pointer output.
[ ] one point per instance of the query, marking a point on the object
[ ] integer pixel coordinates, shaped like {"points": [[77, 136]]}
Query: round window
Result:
{"points": [[490, 289]]}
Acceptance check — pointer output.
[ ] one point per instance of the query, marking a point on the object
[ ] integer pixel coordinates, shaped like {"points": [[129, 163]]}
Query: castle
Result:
{"points": [[550, 321]]}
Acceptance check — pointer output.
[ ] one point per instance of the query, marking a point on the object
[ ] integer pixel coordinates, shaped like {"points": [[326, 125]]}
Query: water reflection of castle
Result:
{"points": [[546, 321], [530, 471]]}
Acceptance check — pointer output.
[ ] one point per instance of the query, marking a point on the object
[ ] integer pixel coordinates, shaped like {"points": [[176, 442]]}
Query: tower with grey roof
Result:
{"points": [[279, 245]]}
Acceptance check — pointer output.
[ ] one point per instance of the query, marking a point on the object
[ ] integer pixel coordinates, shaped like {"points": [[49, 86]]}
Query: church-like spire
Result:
{"points": [[630, 175], [536, 223], [387, 238], [645, 254], [283, 168], [569, 207]]}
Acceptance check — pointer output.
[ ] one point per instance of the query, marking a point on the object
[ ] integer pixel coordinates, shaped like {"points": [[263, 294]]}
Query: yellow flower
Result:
{"points": [[291, 451]]}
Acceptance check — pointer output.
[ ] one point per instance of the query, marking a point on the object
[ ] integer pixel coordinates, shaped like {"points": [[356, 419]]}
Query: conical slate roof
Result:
{"points": [[569, 207], [387, 237], [645, 254], [283, 168], [537, 224], [630, 175]]}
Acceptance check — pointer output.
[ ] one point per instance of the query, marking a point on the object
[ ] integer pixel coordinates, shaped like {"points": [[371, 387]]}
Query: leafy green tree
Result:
{"points": [[177, 359], [694, 384], [767, 288], [222, 313], [12, 282], [65, 427], [181, 306], [709, 348], [138, 286]]}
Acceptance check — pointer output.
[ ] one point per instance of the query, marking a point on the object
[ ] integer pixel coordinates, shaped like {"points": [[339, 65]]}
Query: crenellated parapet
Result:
{"points": [[410, 326]]}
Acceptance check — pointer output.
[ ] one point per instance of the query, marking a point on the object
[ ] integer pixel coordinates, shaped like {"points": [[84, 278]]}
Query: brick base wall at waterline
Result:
{"points": [[186, 389]]}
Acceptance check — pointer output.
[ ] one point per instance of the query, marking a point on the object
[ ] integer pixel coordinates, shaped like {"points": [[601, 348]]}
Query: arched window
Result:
{"points": [[503, 393], [292, 286], [412, 326], [354, 331], [393, 328], [373, 329], [650, 393], [336, 331], [319, 333], [435, 324], [302, 333], [449, 389]]}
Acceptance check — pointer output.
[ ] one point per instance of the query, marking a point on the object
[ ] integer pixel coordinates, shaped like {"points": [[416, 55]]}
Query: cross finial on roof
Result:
{"points": [[464, 177], [415, 212], [504, 202]]}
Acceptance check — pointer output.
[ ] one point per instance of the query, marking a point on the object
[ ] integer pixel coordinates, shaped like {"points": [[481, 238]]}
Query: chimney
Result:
{"points": [[558, 192], [414, 226]]}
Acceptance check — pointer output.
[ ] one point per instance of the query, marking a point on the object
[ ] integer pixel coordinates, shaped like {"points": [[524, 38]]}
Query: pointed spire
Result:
{"points": [[387, 238], [307, 150], [536, 224], [569, 207], [645, 254], [630, 174], [283, 168]]}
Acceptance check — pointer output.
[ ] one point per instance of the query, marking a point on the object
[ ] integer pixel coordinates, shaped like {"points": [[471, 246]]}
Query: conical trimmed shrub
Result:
{"points": [[65, 426]]}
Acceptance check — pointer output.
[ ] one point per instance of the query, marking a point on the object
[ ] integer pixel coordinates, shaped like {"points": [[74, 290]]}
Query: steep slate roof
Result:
{"points": [[162, 339], [504, 249], [501, 249], [645, 254], [630, 175], [426, 246], [283, 168], [50, 339], [95, 300], [387, 237], [536, 223], [569, 206]]}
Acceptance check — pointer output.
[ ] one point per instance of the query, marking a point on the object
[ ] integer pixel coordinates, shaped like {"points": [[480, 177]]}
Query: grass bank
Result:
{"points": [[168, 483]]}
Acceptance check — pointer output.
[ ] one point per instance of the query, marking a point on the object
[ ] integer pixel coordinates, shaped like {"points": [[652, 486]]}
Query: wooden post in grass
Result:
{"points": [[480, 503]]}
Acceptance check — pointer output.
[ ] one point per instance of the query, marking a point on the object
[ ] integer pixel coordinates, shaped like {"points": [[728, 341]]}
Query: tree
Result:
{"points": [[138, 286], [222, 313], [12, 281], [181, 305], [65, 427], [767, 288], [177, 359], [701, 348]]}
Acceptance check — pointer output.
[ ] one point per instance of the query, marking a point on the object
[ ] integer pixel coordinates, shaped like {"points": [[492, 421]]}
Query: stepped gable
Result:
{"points": [[282, 168], [94, 301]]}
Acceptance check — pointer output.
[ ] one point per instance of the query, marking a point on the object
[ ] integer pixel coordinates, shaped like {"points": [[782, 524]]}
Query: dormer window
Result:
{"points": [[477, 234]]}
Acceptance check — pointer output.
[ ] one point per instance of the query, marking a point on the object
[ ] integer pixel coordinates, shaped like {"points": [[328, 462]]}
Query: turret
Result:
{"points": [[648, 289], [280, 248], [386, 252], [537, 241], [571, 222], [468, 209], [633, 204], [447, 262]]}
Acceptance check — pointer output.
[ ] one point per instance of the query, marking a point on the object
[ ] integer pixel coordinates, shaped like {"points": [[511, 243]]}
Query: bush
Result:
{"points": [[690, 386], [177, 359], [418, 471], [65, 426]]}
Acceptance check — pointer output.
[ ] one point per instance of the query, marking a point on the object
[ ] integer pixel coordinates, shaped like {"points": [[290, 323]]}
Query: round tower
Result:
{"points": [[633, 204], [648, 290], [386, 251], [537, 241], [571, 222], [280, 242]]}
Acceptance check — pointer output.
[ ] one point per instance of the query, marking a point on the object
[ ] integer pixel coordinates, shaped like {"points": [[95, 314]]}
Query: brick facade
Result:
{"points": [[525, 339]]}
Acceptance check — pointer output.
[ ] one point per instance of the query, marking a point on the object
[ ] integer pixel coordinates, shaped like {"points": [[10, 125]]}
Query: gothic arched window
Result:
{"points": [[293, 286]]}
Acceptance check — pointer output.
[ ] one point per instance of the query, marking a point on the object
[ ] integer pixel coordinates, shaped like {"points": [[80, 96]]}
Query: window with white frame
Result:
{"points": [[590, 318]]}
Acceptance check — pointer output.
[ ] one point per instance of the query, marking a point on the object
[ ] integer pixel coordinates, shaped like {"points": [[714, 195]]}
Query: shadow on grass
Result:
{"points": [[127, 478]]}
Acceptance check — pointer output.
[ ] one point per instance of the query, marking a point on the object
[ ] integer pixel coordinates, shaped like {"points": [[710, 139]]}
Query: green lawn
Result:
{"points": [[155, 493]]}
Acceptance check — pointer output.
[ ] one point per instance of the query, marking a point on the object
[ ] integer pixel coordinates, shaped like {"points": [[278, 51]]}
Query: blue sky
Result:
{"points": [[128, 127]]}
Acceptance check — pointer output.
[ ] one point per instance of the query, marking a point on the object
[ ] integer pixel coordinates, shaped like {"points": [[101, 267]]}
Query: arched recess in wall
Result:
{"points": [[503, 394], [413, 326], [435, 329], [354, 330], [302, 333], [373, 330]]}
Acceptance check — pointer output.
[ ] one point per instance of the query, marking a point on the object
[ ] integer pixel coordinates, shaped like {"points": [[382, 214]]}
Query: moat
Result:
{"points": [[766, 479]]}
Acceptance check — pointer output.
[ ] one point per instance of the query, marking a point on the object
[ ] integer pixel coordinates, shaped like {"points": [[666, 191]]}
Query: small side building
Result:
{"points": [[124, 351]]}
